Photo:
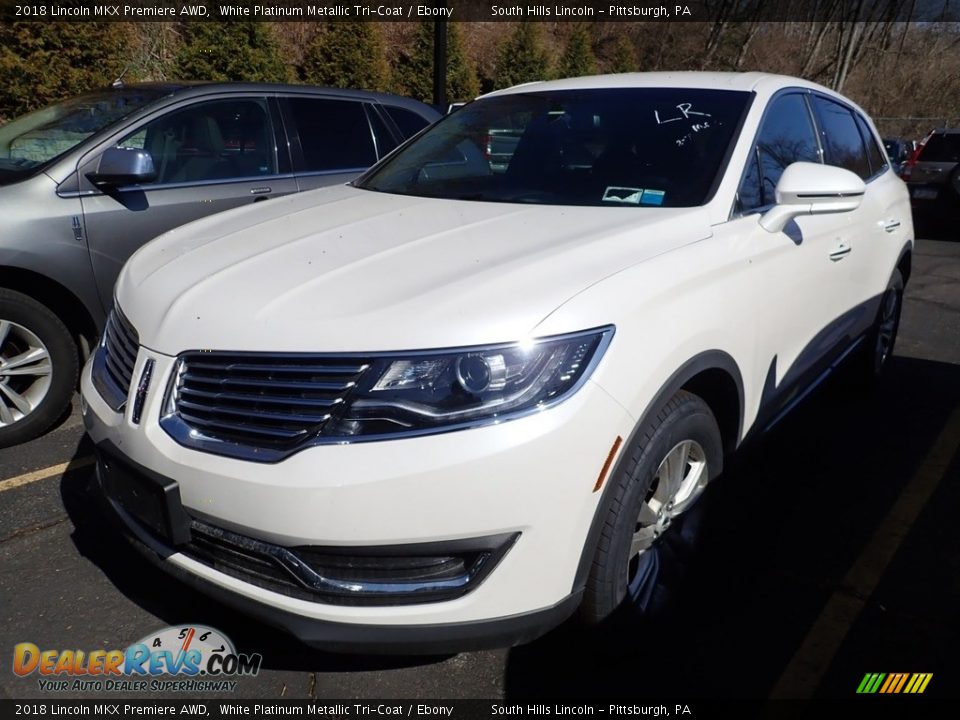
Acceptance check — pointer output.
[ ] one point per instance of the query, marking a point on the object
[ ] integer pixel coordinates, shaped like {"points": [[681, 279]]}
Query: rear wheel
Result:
{"points": [[664, 473], [38, 368], [883, 336]]}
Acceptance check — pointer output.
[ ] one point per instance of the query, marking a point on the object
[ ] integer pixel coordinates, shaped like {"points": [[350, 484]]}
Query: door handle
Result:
{"points": [[841, 252], [891, 226], [260, 190]]}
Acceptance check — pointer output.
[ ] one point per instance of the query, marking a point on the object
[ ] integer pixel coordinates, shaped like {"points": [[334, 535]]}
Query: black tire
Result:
{"points": [[881, 340], [684, 418], [954, 180], [23, 317]]}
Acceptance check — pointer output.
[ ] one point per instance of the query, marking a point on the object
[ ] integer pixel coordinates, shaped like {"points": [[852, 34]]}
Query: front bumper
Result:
{"points": [[351, 637], [531, 479]]}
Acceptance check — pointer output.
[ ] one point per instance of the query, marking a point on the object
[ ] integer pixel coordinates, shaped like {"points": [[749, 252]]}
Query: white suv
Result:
{"points": [[455, 401]]}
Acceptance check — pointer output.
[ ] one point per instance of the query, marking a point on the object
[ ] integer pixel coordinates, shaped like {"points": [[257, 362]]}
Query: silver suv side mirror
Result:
{"points": [[123, 166]]}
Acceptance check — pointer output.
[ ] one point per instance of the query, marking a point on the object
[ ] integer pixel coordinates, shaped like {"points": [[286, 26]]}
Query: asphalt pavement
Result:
{"points": [[829, 549]]}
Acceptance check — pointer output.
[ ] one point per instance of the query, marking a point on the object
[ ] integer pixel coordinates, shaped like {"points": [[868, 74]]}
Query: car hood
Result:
{"points": [[344, 269]]}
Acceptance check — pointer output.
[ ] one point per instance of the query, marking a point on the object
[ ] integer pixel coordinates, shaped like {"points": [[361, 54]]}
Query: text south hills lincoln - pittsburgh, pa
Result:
{"points": [[657, 12]]}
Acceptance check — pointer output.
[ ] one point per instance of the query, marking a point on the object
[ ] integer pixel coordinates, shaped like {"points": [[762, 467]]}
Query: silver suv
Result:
{"points": [[86, 182]]}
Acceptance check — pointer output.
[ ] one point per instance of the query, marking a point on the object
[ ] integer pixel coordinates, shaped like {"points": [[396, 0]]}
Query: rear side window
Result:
{"points": [[408, 121], [878, 159], [841, 138], [334, 134], [786, 136], [941, 147]]}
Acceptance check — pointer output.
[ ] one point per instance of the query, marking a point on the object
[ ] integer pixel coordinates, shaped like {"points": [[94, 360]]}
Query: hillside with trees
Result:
{"points": [[907, 75]]}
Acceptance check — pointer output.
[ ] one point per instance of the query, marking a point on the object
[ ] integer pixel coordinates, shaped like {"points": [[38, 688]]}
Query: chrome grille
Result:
{"points": [[114, 360], [256, 406]]}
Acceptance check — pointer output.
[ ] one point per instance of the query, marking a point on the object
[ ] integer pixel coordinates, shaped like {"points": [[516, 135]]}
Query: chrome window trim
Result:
{"points": [[180, 185]]}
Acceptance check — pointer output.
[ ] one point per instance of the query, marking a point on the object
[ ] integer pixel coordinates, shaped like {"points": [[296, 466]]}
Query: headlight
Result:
{"points": [[445, 388]]}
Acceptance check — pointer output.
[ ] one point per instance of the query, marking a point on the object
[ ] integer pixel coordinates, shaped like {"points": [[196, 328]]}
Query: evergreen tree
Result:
{"points": [[415, 67], [43, 62], [347, 54], [578, 59], [523, 57], [624, 56], [235, 50]]}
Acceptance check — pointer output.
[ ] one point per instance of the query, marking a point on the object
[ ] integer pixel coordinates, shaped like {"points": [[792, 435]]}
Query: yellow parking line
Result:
{"points": [[802, 675], [32, 477]]}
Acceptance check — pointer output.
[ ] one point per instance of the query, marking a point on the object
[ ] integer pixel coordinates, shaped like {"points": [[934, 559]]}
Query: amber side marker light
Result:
{"points": [[609, 461]]}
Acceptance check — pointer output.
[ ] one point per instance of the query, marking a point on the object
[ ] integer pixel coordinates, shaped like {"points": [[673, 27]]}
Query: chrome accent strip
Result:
{"points": [[313, 580], [77, 229], [489, 550], [142, 387], [830, 195]]}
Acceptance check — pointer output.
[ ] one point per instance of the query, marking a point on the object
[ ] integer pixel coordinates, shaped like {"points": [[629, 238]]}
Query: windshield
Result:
{"points": [[32, 141], [659, 147]]}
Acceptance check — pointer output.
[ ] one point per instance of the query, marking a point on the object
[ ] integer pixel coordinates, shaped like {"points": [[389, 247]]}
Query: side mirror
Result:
{"points": [[123, 166], [812, 189]]}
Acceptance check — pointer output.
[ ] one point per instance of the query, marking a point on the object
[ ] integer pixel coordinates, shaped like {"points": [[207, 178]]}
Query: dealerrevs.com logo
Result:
{"points": [[176, 659]]}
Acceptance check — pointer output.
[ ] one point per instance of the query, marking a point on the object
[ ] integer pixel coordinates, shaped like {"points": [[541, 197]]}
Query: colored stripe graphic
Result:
{"points": [[903, 679], [870, 683], [918, 683], [892, 679], [894, 683]]}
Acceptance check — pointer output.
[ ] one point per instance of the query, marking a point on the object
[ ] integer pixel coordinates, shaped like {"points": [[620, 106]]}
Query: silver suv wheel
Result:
{"points": [[25, 370], [38, 367]]}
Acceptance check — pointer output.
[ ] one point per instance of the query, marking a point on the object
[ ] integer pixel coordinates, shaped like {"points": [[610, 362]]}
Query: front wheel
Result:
{"points": [[663, 474], [38, 368]]}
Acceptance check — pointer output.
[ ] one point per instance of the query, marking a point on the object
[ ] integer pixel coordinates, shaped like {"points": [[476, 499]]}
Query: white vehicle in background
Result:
{"points": [[450, 405]]}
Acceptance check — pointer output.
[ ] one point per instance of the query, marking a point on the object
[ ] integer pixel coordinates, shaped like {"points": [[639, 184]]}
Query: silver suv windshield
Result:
{"points": [[32, 141], [616, 147]]}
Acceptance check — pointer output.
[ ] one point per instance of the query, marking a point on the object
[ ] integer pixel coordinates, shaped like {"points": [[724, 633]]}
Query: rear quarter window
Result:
{"points": [[407, 121], [877, 157], [841, 138]]}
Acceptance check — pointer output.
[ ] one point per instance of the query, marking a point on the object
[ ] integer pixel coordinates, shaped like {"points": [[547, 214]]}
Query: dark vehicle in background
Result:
{"points": [[86, 182], [899, 151], [933, 177]]}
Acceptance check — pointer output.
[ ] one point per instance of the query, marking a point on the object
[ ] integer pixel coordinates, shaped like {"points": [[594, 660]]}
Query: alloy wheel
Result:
{"points": [[25, 372], [887, 327], [679, 480]]}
